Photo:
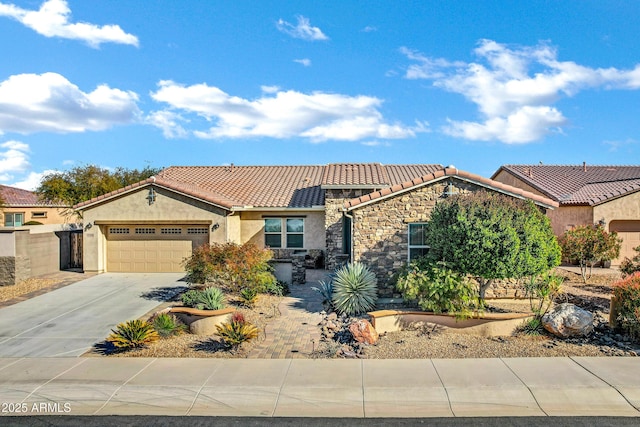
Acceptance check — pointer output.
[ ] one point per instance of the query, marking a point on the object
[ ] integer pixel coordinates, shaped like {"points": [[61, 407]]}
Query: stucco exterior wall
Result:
{"points": [[380, 230], [134, 207], [622, 208], [507, 178], [24, 255], [566, 217], [52, 215], [252, 227]]}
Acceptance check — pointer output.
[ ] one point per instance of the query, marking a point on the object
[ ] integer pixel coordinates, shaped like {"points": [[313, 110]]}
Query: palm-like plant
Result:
{"points": [[133, 334], [354, 289], [167, 325], [237, 331]]}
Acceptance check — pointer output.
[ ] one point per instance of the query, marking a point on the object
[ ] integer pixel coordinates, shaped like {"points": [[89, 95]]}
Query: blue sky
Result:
{"points": [[476, 84]]}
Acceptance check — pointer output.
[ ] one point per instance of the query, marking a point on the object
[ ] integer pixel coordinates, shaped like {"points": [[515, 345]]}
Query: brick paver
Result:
{"points": [[295, 333]]}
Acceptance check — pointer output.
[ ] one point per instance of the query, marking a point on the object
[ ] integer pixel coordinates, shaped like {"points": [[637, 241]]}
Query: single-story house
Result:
{"points": [[586, 194], [22, 206], [361, 212]]}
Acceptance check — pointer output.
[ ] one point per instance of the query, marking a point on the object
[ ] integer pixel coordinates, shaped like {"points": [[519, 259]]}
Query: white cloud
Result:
{"points": [[14, 158], [50, 103], [369, 29], [168, 121], [305, 61], [317, 116], [52, 20], [303, 30], [514, 88], [615, 145], [32, 181], [269, 89]]}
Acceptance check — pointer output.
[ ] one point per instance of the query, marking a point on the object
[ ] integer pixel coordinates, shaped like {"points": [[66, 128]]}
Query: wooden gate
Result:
{"points": [[75, 247]]}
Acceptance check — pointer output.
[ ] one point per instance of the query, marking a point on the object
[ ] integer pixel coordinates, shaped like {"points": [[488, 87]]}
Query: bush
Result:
{"points": [[232, 266], [166, 325], [542, 292], [627, 295], [237, 330], [277, 288], [630, 266], [206, 299], [532, 326], [133, 334], [437, 288], [249, 296], [589, 244], [355, 289]]}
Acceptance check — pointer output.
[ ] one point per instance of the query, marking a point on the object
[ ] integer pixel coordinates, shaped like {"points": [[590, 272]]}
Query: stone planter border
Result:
{"points": [[202, 322]]}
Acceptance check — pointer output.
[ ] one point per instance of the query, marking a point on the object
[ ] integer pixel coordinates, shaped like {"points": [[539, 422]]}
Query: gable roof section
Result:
{"points": [[17, 197], [443, 174], [371, 175], [584, 185]]}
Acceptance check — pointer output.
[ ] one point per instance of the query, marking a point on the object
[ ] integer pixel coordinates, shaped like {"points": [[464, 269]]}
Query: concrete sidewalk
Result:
{"points": [[575, 386]]}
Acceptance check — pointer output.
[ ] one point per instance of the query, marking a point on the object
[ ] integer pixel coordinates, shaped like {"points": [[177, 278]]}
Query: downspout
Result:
{"points": [[344, 212]]}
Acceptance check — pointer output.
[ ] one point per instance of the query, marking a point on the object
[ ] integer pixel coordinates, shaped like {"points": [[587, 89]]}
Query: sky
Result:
{"points": [[475, 84]]}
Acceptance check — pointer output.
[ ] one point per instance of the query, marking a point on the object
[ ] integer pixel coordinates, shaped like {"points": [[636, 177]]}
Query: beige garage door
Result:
{"points": [[629, 232], [152, 249]]}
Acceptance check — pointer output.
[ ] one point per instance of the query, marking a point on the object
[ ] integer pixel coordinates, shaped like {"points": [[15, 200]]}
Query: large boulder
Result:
{"points": [[568, 320], [363, 331]]}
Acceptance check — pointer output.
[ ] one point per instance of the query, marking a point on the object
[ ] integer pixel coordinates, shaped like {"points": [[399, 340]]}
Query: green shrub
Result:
{"points": [[167, 325], [627, 295], [237, 330], [133, 334], [277, 288], [532, 327], [543, 291], [355, 289], [438, 289], [630, 266], [232, 266], [206, 299], [326, 290], [248, 296], [589, 244]]}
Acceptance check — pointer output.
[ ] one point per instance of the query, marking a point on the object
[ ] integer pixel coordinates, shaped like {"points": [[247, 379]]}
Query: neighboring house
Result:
{"points": [[22, 206], [362, 212], [587, 194]]}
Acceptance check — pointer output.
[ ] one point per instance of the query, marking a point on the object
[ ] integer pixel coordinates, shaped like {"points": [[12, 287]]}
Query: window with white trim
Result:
{"points": [[418, 246], [38, 214], [295, 232], [13, 219], [273, 232]]}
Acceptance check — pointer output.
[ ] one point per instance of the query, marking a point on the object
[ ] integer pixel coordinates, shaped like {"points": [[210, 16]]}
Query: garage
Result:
{"points": [[152, 248], [629, 232]]}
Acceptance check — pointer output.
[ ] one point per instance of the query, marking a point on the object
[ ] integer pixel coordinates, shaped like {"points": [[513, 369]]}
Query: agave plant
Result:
{"points": [[249, 296], [326, 291], [237, 331], [133, 334], [167, 325], [354, 289], [208, 299]]}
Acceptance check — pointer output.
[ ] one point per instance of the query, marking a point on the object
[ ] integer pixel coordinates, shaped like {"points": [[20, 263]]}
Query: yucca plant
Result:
{"points": [[326, 291], [355, 289], [167, 325], [133, 334], [249, 296], [207, 299], [237, 330]]}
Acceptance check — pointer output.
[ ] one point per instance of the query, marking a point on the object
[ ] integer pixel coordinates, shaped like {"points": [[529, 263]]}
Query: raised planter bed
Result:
{"points": [[486, 324], [202, 322]]}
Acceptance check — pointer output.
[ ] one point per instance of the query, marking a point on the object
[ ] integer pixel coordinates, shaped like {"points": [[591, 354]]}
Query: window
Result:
{"points": [[13, 219], [417, 245], [292, 234], [145, 230], [295, 232], [273, 232], [38, 214], [118, 230], [171, 230], [197, 230]]}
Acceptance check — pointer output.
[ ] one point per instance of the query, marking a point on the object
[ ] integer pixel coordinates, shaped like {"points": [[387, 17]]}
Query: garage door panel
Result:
{"points": [[629, 232], [149, 252]]}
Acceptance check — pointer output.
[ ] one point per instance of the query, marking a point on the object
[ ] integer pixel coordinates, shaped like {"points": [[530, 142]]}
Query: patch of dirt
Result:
{"points": [[38, 285]]}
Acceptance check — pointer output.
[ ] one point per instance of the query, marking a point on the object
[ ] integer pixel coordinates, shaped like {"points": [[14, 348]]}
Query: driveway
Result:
{"points": [[69, 321]]}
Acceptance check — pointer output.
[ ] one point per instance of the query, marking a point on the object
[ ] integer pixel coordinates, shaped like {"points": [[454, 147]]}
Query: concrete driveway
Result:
{"points": [[69, 321]]}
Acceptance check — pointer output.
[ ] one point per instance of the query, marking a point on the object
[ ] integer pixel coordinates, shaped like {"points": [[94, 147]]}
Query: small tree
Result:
{"points": [[630, 266], [588, 245], [491, 236]]}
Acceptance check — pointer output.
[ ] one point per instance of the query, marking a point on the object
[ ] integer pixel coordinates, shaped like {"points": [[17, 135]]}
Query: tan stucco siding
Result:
{"points": [[134, 207], [627, 208], [51, 215], [252, 226], [234, 229], [566, 217]]}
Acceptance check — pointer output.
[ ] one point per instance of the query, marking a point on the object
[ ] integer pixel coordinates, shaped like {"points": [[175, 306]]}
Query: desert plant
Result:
{"points": [[355, 289], [532, 326], [237, 330], [630, 266], [542, 292], [133, 334], [589, 244], [438, 289], [207, 299], [249, 296], [167, 325], [326, 291], [627, 296], [277, 288]]}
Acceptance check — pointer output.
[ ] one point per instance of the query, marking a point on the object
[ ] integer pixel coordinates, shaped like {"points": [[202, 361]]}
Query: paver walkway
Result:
{"points": [[295, 333]]}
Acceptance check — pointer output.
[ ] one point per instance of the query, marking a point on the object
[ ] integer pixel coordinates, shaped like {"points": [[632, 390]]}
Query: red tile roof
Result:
{"points": [[449, 171], [578, 184], [273, 186], [17, 197]]}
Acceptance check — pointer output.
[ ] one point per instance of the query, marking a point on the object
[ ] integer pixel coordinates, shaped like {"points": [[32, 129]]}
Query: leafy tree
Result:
{"points": [[630, 266], [86, 182], [491, 236], [590, 244]]}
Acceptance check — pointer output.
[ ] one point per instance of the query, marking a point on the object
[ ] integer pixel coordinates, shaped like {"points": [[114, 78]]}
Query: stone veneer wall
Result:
{"points": [[334, 200], [380, 229]]}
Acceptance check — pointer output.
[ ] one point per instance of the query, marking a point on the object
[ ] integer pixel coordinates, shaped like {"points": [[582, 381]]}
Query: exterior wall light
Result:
{"points": [[215, 226], [151, 197]]}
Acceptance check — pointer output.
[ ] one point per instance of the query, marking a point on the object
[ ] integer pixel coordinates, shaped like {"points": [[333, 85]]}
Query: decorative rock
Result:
{"points": [[363, 331], [567, 320]]}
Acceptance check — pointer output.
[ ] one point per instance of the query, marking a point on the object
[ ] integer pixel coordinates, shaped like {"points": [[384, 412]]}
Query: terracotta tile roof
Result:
{"points": [[17, 197], [371, 175], [443, 172], [578, 184]]}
